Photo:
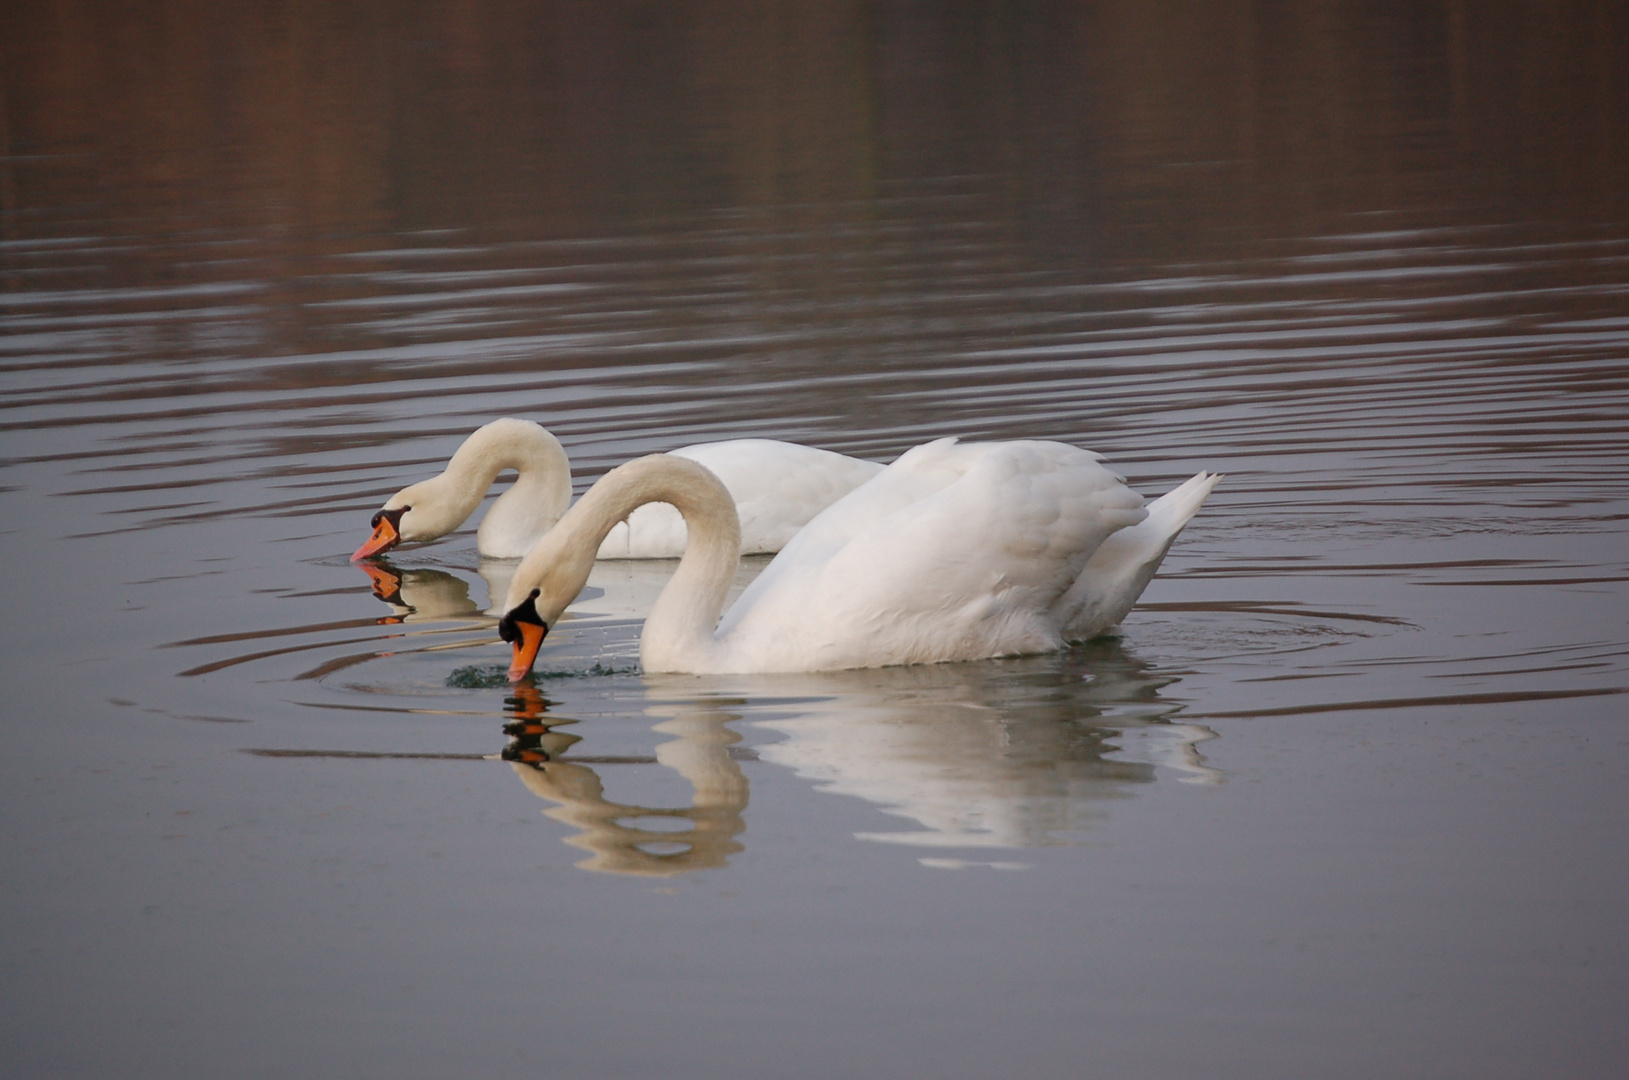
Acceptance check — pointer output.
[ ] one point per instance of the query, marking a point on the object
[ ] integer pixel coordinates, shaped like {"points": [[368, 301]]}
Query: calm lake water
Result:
{"points": [[1344, 798]]}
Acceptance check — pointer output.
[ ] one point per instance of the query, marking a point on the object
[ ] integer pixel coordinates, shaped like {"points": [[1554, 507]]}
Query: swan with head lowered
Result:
{"points": [[777, 488], [957, 551]]}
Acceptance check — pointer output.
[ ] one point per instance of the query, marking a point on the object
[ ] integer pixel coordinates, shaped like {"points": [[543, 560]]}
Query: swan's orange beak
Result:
{"points": [[525, 648], [386, 534], [525, 630]]}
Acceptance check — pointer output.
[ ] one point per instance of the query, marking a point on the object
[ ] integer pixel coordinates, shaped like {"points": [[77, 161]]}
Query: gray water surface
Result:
{"points": [[1343, 798]]}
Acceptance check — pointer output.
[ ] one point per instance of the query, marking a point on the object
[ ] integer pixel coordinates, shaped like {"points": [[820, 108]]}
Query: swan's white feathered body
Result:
{"points": [[778, 487], [957, 551]]}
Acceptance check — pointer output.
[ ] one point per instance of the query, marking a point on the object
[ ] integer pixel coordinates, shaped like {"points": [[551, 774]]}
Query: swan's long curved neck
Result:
{"points": [[536, 455], [679, 629], [540, 494]]}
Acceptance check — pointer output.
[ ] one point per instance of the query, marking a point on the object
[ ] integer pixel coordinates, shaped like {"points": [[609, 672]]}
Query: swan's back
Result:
{"points": [[956, 551], [777, 487]]}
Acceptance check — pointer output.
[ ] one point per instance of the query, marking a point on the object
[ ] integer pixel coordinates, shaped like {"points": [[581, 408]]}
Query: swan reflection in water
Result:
{"points": [[425, 594], [998, 754], [629, 839], [995, 754]]}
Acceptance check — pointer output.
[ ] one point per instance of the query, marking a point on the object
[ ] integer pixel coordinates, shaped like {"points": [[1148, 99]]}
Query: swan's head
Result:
{"points": [[524, 628], [387, 533], [414, 514], [543, 585]]}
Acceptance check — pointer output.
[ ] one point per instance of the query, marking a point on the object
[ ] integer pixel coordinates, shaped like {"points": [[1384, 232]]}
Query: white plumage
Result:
{"points": [[778, 487], [957, 551]]}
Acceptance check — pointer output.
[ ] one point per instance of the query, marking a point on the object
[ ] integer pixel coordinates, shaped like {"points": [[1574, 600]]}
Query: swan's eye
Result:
{"points": [[523, 612], [392, 516]]}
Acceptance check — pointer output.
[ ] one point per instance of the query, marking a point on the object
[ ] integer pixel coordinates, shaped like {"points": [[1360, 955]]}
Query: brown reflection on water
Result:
{"points": [[298, 243], [1132, 128]]}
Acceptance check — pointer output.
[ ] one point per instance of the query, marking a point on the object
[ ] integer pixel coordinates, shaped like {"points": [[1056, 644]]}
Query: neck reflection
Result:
{"points": [[629, 838]]}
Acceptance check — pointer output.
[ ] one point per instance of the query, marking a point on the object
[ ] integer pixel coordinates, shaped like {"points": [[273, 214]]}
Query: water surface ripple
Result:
{"points": [[1420, 534], [1430, 414]]}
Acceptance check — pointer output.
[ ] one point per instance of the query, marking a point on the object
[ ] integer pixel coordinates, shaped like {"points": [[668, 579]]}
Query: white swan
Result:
{"points": [[778, 487], [957, 551]]}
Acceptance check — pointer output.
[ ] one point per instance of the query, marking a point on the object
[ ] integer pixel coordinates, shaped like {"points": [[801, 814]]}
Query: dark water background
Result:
{"points": [[1345, 798]]}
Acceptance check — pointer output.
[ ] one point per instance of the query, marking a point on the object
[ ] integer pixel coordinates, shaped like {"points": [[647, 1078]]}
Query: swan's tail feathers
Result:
{"points": [[1123, 565], [1171, 511]]}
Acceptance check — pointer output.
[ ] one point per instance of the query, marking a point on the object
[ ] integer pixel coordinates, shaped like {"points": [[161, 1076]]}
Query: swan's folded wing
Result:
{"points": [[1011, 534], [968, 567], [917, 474]]}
